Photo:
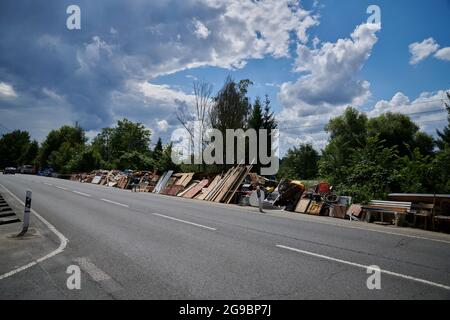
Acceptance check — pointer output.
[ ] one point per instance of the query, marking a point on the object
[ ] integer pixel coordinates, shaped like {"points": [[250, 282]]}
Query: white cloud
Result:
{"points": [[163, 93], [331, 71], [163, 125], [7, 90], [422, 50], [443, 54], [201, 31], [236, 32]]}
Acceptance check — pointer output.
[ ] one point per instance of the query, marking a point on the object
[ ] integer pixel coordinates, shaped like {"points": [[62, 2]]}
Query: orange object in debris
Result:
{"points": [[323, 188]]}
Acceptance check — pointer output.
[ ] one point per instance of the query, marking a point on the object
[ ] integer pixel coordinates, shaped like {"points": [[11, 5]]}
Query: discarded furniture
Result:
{"points": [[338, 211], [423, 212], [303, 205], [388, 212]]}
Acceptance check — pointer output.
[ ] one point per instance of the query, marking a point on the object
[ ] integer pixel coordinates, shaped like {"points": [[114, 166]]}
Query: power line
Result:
{"points": [[419, 122], [407, 114]]}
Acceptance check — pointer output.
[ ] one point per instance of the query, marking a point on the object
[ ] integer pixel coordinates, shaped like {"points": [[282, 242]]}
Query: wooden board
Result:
{"points": [[238, 183], [192, 185], [315, 208], [193, 192], [212, 185], [228, 184], [303, 205]]}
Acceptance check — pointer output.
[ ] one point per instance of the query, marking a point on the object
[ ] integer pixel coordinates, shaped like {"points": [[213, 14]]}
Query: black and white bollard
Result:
{"points": [[26, 214]]}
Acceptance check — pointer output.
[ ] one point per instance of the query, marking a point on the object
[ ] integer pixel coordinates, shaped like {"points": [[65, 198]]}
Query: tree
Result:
{"points": [[230, 108], [157, 152], [164, 162], [415, 173], [424, 143], [197, 113], [441, 169], [395, 129], [129, 136], [300, 163], [269, 121], [348, 132], [60, 145], [118, 145], [256, 119], [444, 135], [134, 160], [84, 161], [371, 173], [101, 144], [16, 149]]}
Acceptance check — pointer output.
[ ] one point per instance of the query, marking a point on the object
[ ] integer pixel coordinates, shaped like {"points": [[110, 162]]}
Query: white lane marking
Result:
{"points": [[382, 231], [96, 273], [184, 221], [62, 245], [62, 188], [48, 184], [399, 275], [81, 193], [116, 203]]}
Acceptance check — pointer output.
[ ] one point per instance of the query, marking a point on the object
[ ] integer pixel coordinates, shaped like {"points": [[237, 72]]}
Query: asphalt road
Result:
{"points": [[145, 246]]}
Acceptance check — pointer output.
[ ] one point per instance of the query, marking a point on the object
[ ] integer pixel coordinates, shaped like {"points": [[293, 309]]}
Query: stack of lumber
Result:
{"points": [[192, 192], [227, 186]]}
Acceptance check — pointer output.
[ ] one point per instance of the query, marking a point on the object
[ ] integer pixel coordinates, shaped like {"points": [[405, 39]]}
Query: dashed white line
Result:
{"points": [[399, 275], [48, 184], [116, 203], [184, 221], [62, 188], [62, 245], [96, 273], [81, 193]]}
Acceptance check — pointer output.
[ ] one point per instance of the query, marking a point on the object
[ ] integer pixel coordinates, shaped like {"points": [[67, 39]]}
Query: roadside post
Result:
{"points": [[26, 215]]}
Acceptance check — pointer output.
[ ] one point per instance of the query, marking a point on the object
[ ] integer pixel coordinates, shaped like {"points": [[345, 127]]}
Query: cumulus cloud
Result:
{"points": [[7, 90], [101, 74], [443, 54], [422, 50], [328, 83], [163, 125], [201, 31], [330, 72]]}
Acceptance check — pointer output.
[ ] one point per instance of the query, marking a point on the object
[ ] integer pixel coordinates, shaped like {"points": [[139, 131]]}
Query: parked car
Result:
{"points": [[47, 172], [27, 169], [9, 170]]}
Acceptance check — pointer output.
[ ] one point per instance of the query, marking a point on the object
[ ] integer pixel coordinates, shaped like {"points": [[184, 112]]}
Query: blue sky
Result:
{"points": [[138, 59]]}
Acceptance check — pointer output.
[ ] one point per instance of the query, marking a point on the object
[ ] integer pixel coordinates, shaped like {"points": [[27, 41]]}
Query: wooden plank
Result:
{"points": [[193, 192], [239, 182], [192, 185], [227, 185], [303, 205], [212, 194], [212, 185]]}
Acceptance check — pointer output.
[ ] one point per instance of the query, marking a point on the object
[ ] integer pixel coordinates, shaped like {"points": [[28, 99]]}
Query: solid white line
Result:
{"points": [[62, 245], [62, 188], [117, 203], [184, 221], [382, 231], [399, 275], [81, 193]]}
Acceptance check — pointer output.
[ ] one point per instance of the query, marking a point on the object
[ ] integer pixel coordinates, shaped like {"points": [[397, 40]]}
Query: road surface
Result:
{"points": [[145, 246]]}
